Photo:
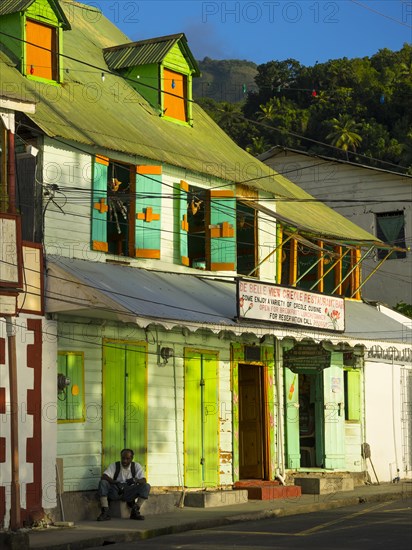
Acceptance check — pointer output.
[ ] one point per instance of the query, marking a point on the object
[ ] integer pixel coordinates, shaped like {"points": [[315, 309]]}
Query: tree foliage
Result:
{"points": [[359, 109]]}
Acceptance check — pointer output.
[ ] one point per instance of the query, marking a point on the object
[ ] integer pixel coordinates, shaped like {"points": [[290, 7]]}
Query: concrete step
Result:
{"points": [[324, 485], [213, 499], [85, 505], [267, 490]]}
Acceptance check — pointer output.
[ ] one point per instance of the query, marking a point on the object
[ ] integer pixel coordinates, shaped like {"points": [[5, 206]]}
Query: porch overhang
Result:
{"points": [[126, 294]]}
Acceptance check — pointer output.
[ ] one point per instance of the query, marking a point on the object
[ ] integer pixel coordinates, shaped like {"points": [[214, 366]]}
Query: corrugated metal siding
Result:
{"points": [[130, 125]]}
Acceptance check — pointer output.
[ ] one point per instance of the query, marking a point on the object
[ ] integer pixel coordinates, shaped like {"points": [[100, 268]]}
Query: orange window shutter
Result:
{"points": [[174, 95], [40, 50]]}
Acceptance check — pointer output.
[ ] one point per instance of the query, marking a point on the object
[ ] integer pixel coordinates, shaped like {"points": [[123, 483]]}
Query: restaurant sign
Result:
{"points": [[292, 306]]}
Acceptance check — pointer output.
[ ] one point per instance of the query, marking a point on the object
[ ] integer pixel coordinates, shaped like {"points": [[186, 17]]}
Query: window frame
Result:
{"points": [[382, 253]]}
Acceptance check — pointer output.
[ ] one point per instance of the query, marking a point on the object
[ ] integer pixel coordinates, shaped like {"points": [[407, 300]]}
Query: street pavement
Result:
{"points": [[92, 534]]}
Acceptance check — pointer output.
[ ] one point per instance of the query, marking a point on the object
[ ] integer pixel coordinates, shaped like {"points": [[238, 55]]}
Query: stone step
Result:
{"points": [[213, 499], [324, 485]]}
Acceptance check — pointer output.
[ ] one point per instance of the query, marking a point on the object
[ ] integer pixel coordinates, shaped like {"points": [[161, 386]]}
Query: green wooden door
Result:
{"points": [[292, 419], [124, 401], [334, 419], [201, 420]]}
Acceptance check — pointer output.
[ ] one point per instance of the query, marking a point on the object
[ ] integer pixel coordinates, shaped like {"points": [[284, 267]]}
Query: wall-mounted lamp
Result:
{"points": [[164, 354]]}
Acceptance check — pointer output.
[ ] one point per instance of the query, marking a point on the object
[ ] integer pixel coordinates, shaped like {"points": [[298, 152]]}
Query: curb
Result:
{"points": [[225, 520]]}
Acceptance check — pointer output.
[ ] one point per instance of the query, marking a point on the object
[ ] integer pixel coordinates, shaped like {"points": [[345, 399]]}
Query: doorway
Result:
{"points": [[253, 439], [304, 418]]}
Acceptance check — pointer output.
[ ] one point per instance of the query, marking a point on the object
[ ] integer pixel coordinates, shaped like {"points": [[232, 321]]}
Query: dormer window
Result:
{"points": [[161, 70], [35, 36], [41, 50]]}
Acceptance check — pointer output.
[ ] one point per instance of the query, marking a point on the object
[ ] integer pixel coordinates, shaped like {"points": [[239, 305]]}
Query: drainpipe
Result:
{"points": [[280, 470]]}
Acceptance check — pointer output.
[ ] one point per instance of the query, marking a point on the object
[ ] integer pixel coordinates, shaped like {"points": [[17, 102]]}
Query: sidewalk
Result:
{"points": [[89, 534]]}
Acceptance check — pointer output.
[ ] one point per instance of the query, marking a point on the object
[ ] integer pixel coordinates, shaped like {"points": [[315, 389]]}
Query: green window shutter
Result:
{"points": [[222, 230], [353, 395], [71, 402], [136, 401], [148, 205], [124, 401], [99, 204], [113, 400], [192, 421], [210, 421], [183, 189], [292, 418]]}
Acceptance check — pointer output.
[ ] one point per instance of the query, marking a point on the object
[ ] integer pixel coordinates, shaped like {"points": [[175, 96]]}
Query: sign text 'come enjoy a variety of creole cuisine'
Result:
{"points": [[267, 302]]}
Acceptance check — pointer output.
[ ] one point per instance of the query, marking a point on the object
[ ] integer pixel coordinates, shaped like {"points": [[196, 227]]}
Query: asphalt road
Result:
{"points": [[365, 527]]}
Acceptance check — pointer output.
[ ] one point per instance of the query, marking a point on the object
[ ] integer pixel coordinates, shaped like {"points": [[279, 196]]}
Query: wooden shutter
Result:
{"points": [[174, 96], [201, 419], [292, 418], [124, 400], [183, 189], [222, 230], [148, 205], [334, 413], [41, 54], [70, 404], [99, 204]]}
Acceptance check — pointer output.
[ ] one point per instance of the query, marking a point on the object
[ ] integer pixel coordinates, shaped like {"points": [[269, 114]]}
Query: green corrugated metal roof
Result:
{"points": [[12, 6], [112, 115], [146, 52]]}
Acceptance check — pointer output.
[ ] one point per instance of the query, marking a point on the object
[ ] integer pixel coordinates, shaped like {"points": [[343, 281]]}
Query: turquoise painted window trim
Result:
{"points": [[70, 402]]}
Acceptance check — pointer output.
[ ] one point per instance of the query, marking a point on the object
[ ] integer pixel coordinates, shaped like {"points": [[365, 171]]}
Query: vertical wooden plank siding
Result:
{"points": [[148, 211], [99, 204], [222, 230]]}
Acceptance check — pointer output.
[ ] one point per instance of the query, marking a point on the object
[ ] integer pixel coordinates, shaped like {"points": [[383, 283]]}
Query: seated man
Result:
{"points": [[123, 480]]}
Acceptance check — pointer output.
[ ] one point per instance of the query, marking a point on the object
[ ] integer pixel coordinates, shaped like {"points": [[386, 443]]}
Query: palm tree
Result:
{"points": [[344, 133]]}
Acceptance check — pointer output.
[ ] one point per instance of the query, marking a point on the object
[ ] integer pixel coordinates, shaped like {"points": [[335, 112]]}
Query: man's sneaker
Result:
{"points": [[135, 513], [104, 516]]}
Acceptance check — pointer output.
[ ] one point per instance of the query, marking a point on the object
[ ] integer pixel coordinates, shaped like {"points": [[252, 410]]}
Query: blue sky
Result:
{"points": [[260, 31]]}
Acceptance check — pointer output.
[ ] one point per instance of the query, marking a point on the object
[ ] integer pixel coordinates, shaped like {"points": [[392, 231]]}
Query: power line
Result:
{"points": [[364, 6]]}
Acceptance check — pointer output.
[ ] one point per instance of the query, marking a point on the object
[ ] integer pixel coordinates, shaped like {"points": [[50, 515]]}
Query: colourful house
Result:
{"points": [[206, 307]]}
